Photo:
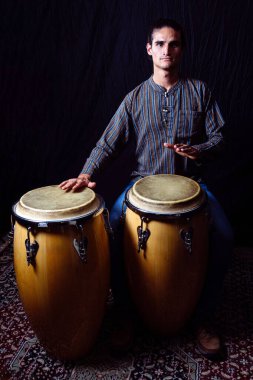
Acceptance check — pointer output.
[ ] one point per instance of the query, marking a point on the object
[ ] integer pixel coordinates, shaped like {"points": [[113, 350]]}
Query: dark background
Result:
{"points": [[65, 66]]}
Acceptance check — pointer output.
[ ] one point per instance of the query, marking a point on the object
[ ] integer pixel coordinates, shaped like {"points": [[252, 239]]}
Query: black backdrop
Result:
{"points": [[66, 65]]}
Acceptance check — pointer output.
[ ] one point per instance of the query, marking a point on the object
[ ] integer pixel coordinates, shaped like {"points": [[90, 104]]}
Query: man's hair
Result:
{"points": [[170, 23]]}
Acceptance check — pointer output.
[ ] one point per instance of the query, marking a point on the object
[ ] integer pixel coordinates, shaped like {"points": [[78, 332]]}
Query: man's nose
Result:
{"points": [[166, 49]]}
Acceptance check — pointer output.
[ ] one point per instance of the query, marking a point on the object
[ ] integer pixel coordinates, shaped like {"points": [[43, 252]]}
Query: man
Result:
{"points": [[176, 127]]}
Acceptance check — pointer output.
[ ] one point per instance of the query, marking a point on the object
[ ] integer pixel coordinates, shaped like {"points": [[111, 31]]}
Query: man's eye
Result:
{"points": [[175, 44], [159, 43]]}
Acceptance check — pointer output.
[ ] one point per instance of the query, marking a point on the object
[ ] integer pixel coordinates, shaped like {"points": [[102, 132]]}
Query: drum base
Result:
{"points": [[165, 279], [63, 296]]}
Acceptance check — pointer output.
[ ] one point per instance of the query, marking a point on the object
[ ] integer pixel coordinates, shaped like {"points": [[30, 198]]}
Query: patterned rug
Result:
{"points": [[22, 356]]}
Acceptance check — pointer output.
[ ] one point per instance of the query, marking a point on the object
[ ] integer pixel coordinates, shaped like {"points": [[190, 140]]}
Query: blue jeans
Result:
{"points": [[220, 252]]}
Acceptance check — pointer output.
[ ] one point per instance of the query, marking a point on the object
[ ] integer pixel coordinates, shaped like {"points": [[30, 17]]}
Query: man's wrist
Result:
{"points": [[84, 176]]}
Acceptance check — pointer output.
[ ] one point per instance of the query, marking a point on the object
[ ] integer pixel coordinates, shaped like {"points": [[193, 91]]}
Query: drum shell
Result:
{"points": [[63, 296], [165, 279]]}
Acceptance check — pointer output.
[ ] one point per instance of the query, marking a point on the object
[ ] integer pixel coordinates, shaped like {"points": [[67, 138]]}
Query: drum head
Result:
{"points": [[166, 194], [50, 203]]}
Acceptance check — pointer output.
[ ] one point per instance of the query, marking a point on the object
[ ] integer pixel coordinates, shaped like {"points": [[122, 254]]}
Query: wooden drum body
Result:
{"points": [[61, 259], [166, 249]]}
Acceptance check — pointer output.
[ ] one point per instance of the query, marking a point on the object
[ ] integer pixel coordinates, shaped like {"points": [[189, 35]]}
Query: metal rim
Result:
{"points": [[163, 216], [26, 221]]}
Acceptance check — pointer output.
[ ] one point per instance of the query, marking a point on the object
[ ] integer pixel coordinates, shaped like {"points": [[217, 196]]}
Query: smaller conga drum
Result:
{"points": [[166, 249], [61, 260]]}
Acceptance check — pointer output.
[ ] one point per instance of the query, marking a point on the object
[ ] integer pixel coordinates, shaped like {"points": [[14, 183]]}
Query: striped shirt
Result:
{"points": [[149, 116]]}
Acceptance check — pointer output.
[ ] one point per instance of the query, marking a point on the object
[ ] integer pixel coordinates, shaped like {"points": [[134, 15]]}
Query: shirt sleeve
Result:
{"points": [[115, 136], [213, 124]]}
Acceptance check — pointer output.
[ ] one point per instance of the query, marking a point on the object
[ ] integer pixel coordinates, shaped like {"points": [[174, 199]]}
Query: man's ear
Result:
{"points": [[149, 48]]}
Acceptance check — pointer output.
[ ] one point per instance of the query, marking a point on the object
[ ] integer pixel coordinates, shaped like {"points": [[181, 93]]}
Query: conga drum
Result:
{"points": [[166, 249], [61, 260]]}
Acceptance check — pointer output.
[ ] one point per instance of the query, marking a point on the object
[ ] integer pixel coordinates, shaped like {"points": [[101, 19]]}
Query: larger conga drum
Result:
{"points": [[166, 249], [61, 260]]}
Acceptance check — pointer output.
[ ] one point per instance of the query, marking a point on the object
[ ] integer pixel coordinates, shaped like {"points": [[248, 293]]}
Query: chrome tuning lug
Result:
{"points": [[81, 244], [143, 235], [31, 248], [187, 236]]}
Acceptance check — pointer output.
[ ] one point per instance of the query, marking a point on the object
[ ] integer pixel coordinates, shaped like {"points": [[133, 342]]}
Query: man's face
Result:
{"points": [[166, 49]]}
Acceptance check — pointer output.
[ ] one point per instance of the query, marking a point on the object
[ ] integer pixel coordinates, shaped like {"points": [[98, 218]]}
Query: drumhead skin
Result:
{"points": [[50, 203], [165, 194]]}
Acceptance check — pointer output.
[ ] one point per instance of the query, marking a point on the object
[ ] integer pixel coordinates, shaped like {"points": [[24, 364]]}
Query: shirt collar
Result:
{"points": [[161, 89]]}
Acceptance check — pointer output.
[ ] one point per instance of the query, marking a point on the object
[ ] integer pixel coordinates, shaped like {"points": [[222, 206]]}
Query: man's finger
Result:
{"points": [[63, 183], [168, 145], [92, 185]]}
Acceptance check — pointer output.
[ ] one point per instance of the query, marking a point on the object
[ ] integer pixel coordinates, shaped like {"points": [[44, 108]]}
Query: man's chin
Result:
{"points": [[169, 68]]}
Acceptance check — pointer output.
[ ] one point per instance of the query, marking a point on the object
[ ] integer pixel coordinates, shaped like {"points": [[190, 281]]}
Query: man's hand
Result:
{"points": [[83, 180], [184, 150]]}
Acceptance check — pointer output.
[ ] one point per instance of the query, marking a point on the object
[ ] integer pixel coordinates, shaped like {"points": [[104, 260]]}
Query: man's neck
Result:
{"points": [[165, 79]]}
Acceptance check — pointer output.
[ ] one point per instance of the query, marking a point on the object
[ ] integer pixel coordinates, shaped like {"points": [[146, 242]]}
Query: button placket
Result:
{"points": [[167, 113], [165, 109]]}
